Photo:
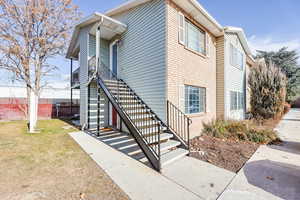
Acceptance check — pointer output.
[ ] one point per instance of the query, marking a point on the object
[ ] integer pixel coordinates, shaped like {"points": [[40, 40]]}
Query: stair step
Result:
{"points": [[96, 117], [95, 104], [115, 84], [117, 137], [138, 111], [150, 130], [116, 89], [127, 97], [108, 134], [142, 124], [135, 149], [112, 81], [139, 156], [169, 145], [125, 145], [172, 156], [96, 99], [129, 101], [94, 122], [142, 116], [130, 107], [95, 130], [163, 136], [115, 92]]}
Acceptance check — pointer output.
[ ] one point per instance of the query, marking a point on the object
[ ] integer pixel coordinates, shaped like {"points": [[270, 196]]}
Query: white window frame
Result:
{"points": [[181, 28], [240, 101], [203, 100], [201, 31]]}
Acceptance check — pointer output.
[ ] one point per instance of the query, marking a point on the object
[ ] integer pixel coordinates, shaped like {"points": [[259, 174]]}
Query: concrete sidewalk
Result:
{"points": [[273, 172], [185, 179]]}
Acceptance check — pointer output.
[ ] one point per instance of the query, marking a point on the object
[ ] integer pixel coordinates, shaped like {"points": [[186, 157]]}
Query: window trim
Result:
{"points": [[205, 100]]}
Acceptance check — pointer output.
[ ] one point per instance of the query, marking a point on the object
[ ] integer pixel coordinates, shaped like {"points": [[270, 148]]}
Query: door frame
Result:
{"points": [[111, 68]]}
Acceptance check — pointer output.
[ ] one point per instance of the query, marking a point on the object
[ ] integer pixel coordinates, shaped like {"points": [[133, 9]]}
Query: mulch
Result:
{"points": [[225, 153]]}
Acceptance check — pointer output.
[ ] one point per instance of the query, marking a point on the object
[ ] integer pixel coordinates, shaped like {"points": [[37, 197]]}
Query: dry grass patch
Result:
{"points": [[49, 165]]}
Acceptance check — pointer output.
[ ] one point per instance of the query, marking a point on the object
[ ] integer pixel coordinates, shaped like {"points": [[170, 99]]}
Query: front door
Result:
{"points": [[114, 68]]}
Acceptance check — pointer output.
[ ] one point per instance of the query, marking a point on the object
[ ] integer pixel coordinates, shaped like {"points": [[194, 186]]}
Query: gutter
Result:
{"points": [[206, 14]]}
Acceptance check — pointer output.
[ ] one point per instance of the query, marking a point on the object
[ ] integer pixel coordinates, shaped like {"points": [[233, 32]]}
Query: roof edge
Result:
{"points": [[241, 34], [206, 14], [125, 6]]}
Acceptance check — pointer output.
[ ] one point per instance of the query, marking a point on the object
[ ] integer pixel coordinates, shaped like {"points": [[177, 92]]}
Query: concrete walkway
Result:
{"points": [[185, 179], [273, 172]]}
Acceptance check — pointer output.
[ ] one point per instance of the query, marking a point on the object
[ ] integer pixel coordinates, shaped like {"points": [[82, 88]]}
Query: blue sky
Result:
{"points": [[268, 24]]}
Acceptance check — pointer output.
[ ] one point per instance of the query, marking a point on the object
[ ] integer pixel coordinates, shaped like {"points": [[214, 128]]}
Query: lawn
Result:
{"points": [[49, 165]]}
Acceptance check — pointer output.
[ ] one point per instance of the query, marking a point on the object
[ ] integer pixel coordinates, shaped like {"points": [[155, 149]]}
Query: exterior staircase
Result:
{"points": [[158, 143]]}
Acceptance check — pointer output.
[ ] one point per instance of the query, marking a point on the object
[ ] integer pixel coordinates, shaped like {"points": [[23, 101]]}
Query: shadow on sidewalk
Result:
{"points": [[287, 146], [279, 179], [290, 119]]}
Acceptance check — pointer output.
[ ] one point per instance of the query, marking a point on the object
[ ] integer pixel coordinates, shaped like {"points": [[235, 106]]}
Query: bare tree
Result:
{"points": [[31, 32]]}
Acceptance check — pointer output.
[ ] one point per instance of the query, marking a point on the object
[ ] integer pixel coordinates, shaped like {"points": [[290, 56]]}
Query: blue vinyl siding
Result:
{"points": [[104, 51], [142, 53]]}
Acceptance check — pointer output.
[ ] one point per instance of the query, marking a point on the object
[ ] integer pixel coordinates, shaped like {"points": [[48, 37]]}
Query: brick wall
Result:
{"points": [[187, 67]]}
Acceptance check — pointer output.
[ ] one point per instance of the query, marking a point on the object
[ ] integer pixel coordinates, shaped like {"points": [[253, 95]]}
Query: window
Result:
{"points": [[195, 38], [236, 57], [236, 100], [195, 99], [191, 36]]}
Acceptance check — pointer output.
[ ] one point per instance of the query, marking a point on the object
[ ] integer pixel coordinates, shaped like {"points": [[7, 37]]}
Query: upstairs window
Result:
{"points": [[191, 36], [236, 57], [195, 38]]}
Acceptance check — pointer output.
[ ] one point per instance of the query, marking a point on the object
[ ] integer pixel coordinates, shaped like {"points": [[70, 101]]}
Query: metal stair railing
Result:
{"points": [[142, 123], [179, 123]]}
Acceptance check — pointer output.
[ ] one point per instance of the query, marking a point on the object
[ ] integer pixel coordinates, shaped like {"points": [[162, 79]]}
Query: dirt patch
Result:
{"points": [[49, 165], [225, 153]]}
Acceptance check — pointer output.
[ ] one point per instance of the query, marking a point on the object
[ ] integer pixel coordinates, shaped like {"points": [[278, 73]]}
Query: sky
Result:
{"points": [[268, 25]]}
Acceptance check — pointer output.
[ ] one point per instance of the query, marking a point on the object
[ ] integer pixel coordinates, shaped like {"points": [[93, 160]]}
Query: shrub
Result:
{"points": [[268, 91], [239, 130], [287, 108]]}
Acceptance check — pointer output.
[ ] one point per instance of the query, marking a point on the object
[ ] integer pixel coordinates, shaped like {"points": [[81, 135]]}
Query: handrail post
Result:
{"points": [[159, 132], [167, 112]]}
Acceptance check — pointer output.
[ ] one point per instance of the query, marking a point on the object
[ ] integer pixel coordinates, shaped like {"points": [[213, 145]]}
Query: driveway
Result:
{"points": [[273, 172]]}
